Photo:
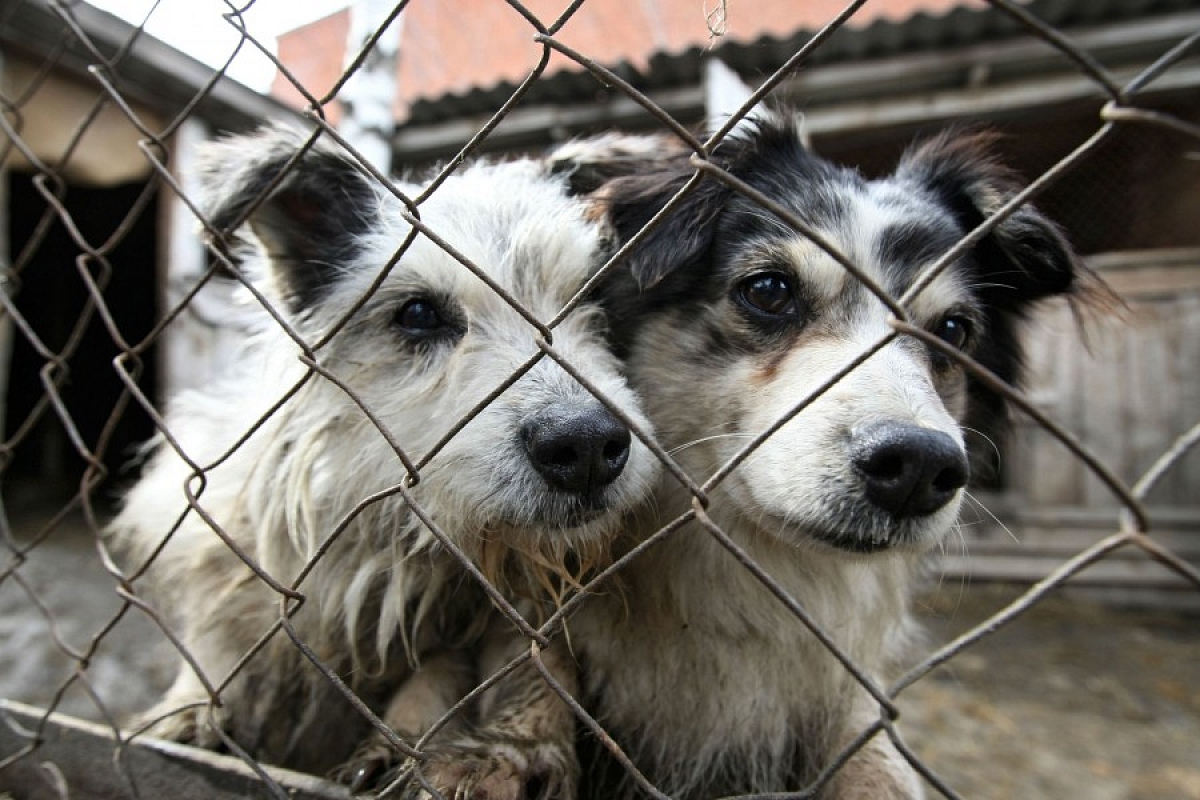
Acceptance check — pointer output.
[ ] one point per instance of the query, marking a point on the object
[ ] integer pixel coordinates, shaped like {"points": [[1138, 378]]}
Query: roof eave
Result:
{"points": [[150, 72]]}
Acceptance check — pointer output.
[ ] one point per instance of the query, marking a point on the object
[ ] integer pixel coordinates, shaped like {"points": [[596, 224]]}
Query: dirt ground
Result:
{"points": [[1073, 700]]}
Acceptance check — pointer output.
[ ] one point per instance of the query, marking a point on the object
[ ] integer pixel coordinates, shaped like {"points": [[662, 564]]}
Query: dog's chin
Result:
{"points": [[866, 533], [855, 543], [571, 518]]}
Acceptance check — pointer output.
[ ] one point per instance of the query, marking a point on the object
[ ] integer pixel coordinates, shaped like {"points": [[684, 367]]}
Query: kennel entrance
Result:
{"points": [[44, 464]]}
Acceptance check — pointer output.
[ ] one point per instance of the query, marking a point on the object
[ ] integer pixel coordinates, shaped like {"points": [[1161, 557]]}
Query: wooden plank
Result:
{"points": [[1125, 573], [1144, 282], [1064, 542], [1187, 373], [1149, 274], [1104, 401], [78, 759], [1019, 99], [1151, 392], [1053, 476]]}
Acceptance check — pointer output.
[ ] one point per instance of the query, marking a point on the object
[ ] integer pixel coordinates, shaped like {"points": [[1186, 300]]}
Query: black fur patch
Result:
{"points": [[308, 221]]}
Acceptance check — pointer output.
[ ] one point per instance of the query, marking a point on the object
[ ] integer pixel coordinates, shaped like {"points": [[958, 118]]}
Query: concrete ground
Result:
{"points": [[1073, 700]]}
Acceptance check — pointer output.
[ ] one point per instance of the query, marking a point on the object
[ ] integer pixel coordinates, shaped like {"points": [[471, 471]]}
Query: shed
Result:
{"points": [[77, 144]]}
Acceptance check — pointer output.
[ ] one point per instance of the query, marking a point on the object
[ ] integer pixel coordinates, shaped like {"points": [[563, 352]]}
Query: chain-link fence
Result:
{"points": [[101, 311]]}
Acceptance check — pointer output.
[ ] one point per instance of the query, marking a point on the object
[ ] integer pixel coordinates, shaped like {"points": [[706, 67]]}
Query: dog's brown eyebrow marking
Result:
{"points": [[769, 369], [821, 279]]}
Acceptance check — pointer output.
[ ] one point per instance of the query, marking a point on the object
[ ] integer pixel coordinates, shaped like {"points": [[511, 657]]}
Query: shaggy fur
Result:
{"points": [[728, 318], [419, 342]]}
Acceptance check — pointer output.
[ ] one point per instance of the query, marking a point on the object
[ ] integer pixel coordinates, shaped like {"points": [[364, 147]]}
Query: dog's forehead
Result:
{"points": [[512, 224]]}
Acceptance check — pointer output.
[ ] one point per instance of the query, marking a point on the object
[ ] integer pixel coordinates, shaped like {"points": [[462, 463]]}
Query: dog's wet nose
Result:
{"points": [[908, 470], [577, 448]]}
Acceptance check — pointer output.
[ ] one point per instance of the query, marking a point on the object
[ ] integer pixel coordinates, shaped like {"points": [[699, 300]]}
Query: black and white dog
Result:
{"points": [[729, 318]]}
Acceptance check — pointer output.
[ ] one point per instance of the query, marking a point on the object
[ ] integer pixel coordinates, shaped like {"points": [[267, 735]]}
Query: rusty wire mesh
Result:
{"points": [[132, 352]]}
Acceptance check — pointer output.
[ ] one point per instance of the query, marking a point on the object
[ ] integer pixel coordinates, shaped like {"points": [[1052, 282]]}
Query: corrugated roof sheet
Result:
{"points": [[882, 37]]}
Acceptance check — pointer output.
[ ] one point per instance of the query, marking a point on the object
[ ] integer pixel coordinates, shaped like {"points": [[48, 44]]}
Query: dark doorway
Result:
{"points": [[44, 464]]}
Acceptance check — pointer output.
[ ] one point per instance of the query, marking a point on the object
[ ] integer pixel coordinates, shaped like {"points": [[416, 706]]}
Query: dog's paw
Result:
{"points": [[467, 770], [502, 770], [375, 765]]}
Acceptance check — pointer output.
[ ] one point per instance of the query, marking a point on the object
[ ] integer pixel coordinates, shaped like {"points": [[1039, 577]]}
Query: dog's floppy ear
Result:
{"points": [[630, 179], [1025, 257], [683, 237], [590, 163], [308, 212]]}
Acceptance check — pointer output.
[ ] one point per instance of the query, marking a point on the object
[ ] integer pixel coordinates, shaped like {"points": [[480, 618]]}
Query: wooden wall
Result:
{"points": [[1127, 383]]}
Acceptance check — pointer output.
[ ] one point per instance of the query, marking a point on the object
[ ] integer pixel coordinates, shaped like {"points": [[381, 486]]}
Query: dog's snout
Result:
{"points": [[908, 470], [577, 449]]}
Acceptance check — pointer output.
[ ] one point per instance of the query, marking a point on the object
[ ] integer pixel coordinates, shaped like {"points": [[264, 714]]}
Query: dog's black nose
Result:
{"points": [[908, 470], [577, 448]]}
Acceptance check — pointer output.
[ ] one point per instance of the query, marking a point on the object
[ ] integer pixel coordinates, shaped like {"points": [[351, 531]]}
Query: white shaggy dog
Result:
{"points": [[732, 320], [301, 472]]}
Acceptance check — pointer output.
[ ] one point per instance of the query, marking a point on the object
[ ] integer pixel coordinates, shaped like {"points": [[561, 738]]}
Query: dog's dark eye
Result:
{"points": [[954, 330], [420, 317], [768, 293]]}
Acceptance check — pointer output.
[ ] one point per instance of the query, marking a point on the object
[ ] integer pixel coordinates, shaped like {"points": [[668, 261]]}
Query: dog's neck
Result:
{"points": [[696, 646], [692, 577]]}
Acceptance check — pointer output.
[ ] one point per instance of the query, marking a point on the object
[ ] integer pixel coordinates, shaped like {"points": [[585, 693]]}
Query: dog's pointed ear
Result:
{"points": [[1025, 257], [308, 211]]}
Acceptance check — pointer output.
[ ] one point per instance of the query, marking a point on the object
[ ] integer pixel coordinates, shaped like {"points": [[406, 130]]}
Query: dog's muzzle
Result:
{"points": [[908, 470], [579, 449]]}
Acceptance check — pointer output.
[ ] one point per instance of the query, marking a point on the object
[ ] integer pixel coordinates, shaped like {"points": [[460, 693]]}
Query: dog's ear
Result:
{"points": [[630, 179], [591, 162], [308, 211], [1025, 257], [683, 237]]}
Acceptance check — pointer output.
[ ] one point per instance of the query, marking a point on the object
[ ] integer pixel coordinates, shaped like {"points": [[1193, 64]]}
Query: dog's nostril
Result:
{"points": [[908, 470], [885, 465], [577, 447], [950, 480], [559, 456], [616, 450]]}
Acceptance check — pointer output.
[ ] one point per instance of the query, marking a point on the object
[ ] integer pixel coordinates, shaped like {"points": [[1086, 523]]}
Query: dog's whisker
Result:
{"points": [[716, 436], [979, 504], [990, 441]]}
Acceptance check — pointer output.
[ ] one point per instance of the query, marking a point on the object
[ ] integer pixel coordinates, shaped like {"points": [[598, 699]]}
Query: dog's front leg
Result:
{"points": [[441, 680], [216, 635], [523, 747], [876, 772]]}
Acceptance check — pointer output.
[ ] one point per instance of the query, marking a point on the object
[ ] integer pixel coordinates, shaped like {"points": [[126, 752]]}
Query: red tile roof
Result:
{"points": [[454, 46]]}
